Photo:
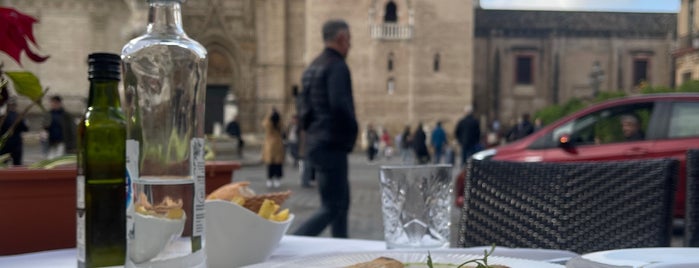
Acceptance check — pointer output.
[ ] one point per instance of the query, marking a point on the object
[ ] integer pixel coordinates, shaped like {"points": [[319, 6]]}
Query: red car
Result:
{"points": [[666, 126]]}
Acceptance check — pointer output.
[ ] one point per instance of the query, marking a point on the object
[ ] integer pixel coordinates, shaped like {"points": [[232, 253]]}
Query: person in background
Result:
{"points": [[438, 140], [522, 129], [13, 144], [406, 146], [386, 142], [422, 155], [538, 124], [631, 127], [292, 140], [331, 131], [468, 133], [61, 129], [372, 142], [233, 130], [273, 149]]}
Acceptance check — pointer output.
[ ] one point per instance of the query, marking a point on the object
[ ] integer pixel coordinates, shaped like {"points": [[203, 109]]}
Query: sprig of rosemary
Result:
{"points": [[480, 263]]}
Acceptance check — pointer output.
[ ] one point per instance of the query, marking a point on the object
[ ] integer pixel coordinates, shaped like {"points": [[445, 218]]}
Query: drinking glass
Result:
{"points": [[416, 201]]}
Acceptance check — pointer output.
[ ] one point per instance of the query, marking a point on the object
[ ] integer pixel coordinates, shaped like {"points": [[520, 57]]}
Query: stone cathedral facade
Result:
{"points": [[411, 60]]}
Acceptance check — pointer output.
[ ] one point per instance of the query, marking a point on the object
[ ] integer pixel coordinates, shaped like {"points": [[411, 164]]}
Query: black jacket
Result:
{"points": [[333, 126], [468, 131]]}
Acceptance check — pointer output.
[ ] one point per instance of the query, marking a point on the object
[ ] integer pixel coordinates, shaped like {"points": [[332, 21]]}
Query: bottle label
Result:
{"points": [[80, 232], [197, 168], [132, 156]]}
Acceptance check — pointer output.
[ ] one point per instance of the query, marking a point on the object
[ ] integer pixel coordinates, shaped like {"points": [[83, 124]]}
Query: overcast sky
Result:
{"points": [[671, 6]]}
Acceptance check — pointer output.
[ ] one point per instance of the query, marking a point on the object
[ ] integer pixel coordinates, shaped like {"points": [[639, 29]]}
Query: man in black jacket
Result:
{"points": [[331, 129], [468, 133]]}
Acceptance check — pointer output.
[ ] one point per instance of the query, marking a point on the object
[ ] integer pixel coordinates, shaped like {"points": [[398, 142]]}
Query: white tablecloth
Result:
{"points": [[290, 246]]}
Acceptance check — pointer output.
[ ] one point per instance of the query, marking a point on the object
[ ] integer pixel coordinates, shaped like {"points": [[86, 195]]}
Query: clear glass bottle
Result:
{"points": [[164, 87], [101, 184]]}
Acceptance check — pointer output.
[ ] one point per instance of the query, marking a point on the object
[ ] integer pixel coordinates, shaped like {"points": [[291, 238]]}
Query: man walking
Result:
{"points": [[468, 133], [331, 129]]}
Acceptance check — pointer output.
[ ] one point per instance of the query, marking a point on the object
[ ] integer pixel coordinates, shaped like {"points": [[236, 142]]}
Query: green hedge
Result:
{"points": [[554, 112]]}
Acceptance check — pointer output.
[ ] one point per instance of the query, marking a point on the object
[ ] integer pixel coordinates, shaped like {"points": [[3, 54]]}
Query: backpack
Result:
{"points": [[303, 100]]}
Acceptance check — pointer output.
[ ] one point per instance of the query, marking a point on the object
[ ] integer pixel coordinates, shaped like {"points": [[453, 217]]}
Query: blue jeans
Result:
{"points": [[438, 152], [308, 173], [333, 187]]}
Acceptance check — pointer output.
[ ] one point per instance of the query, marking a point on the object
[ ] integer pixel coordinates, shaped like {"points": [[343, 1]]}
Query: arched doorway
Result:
{"points": [[218, 87]]}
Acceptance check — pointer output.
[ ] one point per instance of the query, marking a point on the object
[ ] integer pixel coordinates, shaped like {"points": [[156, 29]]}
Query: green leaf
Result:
{"points": [[26, 84]]}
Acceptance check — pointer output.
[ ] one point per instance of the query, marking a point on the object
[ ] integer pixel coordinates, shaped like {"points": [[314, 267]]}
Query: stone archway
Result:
{"points": [[226, 84]]}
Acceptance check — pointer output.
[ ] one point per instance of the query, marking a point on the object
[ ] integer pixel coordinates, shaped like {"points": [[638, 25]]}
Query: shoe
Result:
{"points": [[276, 183], [270, 183]]}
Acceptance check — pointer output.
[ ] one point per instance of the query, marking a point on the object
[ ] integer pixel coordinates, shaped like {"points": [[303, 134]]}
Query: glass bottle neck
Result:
{"points": [[104, 93], [165, 17]]}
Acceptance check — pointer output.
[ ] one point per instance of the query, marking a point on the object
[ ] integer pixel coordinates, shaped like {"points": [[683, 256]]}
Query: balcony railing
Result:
{"points": [[391, 31]]}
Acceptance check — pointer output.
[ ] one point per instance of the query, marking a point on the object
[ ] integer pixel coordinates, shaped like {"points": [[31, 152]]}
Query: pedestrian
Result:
{"points": [[61, 129], [422, 155], [273, 148], [538, 124], [332, 130], [438, 139], [468, 133], [292, 141], [372, 142], [406, 146], [386, 144], [13, 144], [233, 130], [522, 129]]}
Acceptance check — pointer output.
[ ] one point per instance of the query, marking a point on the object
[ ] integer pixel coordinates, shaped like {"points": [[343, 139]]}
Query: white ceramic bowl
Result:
{"points": [[235, 236], [152, 234]]}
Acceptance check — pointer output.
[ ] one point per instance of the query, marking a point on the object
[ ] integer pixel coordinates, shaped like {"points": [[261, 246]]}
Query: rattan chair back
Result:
{"points": [[581, 207]]}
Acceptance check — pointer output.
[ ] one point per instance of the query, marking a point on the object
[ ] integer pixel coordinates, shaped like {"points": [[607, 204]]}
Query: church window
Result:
{"points": [[391, 15], [436, 62], [640, 71], [524, 74], [390, 86], [390, 61]]}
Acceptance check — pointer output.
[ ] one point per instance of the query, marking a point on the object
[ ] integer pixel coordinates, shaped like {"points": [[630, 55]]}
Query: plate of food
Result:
{"points": [[647, 257], [404, 258]]}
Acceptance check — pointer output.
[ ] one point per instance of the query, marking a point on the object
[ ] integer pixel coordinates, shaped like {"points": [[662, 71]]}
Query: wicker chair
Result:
{"points": [[691, 223], [581, 207]]}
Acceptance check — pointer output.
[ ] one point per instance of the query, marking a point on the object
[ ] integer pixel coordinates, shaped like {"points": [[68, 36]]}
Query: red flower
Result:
{"points": [[15, 29]]}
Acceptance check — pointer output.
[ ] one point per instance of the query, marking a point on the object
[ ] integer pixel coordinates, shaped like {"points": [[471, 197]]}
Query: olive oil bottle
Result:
{"points": [[101, 182]]}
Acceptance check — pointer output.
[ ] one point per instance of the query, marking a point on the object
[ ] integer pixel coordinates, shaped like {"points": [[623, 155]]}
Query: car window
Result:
{"points": [[602, 127], [684, 121]]}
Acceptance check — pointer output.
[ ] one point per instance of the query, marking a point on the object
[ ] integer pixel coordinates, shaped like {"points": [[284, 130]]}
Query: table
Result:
{"points": [[290, 246]]}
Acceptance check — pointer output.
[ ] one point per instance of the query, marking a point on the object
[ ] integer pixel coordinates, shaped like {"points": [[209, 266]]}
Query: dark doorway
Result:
{"points": [[640, 71], [215, 98]]}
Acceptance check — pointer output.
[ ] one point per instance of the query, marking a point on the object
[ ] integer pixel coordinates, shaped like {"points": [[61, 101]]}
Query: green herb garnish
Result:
{"points": [[480, 263]]}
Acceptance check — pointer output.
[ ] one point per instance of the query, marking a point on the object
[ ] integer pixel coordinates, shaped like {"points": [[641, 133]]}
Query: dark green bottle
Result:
{"points": [[101, 182]]}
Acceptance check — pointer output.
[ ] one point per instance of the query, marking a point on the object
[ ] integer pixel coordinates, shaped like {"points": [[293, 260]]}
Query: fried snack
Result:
{"points": [[265, 205], [267, 209], [380, 262], [168, 208], [232, 190], [281, 216]]}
